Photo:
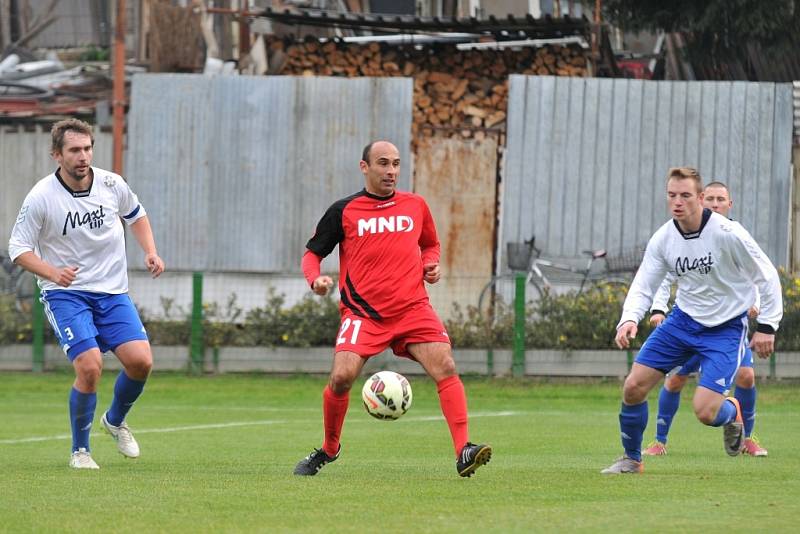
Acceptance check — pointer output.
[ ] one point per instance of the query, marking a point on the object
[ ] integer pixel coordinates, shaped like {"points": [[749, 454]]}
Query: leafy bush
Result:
{"points": [[570, 321], [312, 321], [586, 320]]}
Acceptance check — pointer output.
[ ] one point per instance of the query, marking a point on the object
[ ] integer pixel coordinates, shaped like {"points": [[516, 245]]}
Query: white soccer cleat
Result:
{"points": [[81, 459], [126, 443], [624, 465]]}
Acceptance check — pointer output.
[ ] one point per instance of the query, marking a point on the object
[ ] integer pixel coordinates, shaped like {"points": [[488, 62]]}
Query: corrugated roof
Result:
{"points": [[546, 26]]}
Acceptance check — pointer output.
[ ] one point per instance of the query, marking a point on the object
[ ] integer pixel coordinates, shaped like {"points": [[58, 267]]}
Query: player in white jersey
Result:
{"points": [[716, 198], [717, 265], [69, 234]]}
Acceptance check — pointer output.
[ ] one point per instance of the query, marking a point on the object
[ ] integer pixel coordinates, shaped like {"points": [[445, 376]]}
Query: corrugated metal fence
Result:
{"points": [[587, 159], [236, 171]]}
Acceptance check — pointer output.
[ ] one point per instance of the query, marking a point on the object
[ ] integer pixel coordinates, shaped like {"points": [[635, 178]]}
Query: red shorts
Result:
{"points": [[368, 337]]}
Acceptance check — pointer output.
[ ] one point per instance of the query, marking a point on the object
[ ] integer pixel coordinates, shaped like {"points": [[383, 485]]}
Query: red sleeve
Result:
{"points": [[310, 265], [428, 239]]}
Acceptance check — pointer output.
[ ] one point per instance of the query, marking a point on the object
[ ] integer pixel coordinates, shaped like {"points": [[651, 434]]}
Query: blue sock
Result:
{"points": [[126, 391], [632, 422], [668, 402], [726, 414], [81, 415], [747, 400]]}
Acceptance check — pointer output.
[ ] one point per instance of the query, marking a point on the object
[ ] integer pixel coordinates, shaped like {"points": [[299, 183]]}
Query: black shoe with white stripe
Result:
{"points": [[311, 464], [472, 457]]}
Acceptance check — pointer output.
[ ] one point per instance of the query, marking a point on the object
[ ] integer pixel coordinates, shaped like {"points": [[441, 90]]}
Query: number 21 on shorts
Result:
{"points": [[343, 330]]}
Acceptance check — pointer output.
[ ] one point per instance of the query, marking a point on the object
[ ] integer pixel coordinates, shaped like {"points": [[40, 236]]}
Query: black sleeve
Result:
{"points": [[329, 230]]}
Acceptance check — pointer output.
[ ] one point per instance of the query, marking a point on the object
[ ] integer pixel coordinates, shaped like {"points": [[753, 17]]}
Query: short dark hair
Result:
{"points": [[60, 128], [366, 151], [718, 184]]}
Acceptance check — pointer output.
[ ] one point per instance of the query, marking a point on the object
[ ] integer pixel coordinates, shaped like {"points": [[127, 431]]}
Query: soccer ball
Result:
{"points": [[386, 395]]}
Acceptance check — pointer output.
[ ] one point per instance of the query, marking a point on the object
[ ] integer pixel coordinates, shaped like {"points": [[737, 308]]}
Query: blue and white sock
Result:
{"points": [[726, 413], [126, 391], [747, 401], [81, 415], [668, 403], [632, 422]]}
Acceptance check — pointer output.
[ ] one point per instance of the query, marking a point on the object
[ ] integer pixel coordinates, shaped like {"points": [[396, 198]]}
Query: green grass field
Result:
{"points": [[218, 454]]}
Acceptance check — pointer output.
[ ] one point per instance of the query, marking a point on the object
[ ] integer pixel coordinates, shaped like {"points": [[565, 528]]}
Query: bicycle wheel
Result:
{"points": [[487, 296]]}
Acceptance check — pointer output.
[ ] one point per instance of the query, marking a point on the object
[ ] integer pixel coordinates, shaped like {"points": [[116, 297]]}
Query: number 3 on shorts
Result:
{"points": [[69, 333], [345, 325]]}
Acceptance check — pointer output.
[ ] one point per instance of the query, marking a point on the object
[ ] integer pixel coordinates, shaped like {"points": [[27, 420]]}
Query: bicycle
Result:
{"points": [[526, 257], [16, 281]]}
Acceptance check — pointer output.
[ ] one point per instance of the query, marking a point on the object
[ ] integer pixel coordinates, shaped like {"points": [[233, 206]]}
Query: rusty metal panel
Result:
{"points": [[25, 157], [458, 178], [235, 171], [587, 159]]}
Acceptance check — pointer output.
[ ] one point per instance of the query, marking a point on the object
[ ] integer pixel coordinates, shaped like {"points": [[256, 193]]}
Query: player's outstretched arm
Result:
{"points": [[31, 262], [144, 235]]}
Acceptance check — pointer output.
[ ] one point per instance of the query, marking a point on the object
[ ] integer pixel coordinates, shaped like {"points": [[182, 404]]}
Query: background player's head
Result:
{"points": [[72, 142], [685, 194], [717, 197], [380, 164]]}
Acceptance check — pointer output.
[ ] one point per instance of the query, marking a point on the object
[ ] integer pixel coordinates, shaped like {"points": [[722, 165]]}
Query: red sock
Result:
{"points": [[454, 407], [334, 408]]}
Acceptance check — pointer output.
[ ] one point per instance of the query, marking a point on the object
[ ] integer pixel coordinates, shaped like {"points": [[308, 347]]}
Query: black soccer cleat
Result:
{"points": [[472, 457], [311, 464]]}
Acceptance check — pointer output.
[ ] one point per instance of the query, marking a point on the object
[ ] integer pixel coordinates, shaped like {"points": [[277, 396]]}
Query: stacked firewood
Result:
{"points": [[456, 92]]}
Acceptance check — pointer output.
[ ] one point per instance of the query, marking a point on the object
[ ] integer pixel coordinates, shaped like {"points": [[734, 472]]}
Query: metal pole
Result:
{"points": [[37, 326], [119, 87], [518, 360], [196, 349]]}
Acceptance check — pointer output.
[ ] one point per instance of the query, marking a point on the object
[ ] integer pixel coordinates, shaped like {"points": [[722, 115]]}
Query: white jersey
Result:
{"points": [[79, 228], [661, 300], [716, 269]]}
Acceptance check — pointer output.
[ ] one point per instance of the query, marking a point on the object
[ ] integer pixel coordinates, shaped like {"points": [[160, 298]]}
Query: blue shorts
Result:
{"points": [[83, 320], [720, 349], [693, 364]]}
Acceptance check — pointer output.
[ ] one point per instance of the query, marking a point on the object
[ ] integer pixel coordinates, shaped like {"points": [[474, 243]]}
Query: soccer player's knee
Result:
{"points": [[447, 367], [633, 392], [89, 376], [675, 383], [705, 414], [746, 378], [340, 383], [142, 369]]}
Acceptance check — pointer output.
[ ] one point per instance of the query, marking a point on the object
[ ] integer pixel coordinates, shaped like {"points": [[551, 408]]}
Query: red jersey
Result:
{"points": [[383, 244]]}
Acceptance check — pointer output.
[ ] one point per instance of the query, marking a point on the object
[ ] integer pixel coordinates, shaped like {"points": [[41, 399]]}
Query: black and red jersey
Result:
{"points": [[383, 244]]}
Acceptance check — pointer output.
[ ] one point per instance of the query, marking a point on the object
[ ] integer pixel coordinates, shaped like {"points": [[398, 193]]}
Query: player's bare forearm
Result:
{"points": [[144, 236], [63, 276]]}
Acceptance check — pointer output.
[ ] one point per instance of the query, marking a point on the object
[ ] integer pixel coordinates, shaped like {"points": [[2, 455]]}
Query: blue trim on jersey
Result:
{"points": [[83, 320], [133, 213], [720, 348]]}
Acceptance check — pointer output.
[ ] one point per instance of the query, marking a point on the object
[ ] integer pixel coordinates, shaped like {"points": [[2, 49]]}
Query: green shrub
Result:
{"points": [[570, 321]]}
